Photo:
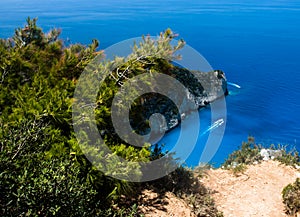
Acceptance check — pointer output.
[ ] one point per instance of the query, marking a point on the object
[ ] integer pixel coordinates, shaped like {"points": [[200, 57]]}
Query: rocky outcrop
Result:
{"points": [[270, 154], [202, 89]]}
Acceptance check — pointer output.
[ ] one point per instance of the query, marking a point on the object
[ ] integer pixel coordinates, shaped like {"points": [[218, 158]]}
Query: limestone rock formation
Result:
{"points": [[202, 88]]}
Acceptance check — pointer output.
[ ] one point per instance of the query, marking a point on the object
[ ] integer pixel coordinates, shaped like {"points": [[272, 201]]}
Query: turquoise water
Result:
{"points": [[256, 43]]}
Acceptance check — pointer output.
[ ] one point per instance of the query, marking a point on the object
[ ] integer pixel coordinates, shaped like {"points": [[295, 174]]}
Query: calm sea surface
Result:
{"points": [[256, 43]]}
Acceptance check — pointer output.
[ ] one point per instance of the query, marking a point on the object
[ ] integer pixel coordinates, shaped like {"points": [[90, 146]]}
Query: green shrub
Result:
{"points": [[291, 197], [289, 158], [33, 184], [247, 154], [42, 170]]}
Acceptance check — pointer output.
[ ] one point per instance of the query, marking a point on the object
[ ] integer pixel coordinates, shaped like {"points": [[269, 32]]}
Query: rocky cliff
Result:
{"points": [[202, 89]]}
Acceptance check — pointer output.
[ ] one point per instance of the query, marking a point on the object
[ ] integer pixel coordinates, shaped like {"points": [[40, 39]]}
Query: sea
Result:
{"points": [[255, 42]]}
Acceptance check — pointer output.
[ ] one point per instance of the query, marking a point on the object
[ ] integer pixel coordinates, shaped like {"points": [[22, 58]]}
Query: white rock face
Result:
{"points": [[269, 154]]}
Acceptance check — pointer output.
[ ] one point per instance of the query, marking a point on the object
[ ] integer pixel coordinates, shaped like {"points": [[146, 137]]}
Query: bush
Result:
{"points": [[247, 154], [42, 170], [289, 158], [32, 183], [291, 197]]}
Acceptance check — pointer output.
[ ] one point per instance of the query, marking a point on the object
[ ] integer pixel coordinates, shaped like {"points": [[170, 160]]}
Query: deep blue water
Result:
{"points": [[256, 43]]}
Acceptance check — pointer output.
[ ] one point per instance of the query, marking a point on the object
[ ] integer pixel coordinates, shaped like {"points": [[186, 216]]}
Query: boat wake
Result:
{"points": [[234, 85], [215, 125]]}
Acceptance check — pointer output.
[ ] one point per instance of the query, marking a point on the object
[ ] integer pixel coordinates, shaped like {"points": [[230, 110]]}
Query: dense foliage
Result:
{"points": [[247, 154], [42, 169], [291, 195]]}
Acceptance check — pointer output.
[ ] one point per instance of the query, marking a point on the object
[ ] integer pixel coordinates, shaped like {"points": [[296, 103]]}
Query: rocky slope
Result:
{"points": [[256, 192]]}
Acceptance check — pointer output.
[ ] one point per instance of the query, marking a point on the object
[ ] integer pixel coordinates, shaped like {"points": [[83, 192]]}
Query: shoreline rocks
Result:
{"points": [[202, 89]]}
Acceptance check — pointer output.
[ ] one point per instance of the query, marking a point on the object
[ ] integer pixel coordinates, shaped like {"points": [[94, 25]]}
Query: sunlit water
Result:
{"points": [[256, 43]]}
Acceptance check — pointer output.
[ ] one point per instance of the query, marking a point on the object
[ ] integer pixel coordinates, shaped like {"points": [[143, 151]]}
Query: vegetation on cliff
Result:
{"points": [[291, 195], [251, 153], [42, 170]]}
